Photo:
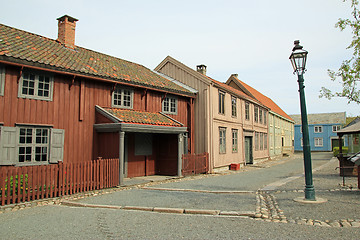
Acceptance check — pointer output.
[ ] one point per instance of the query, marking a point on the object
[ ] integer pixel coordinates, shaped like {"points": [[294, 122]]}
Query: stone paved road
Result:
{"points": [[64, 222]]}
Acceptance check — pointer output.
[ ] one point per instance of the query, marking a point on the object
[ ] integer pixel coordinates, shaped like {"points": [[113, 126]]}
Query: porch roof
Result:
{"points": [[353, 129], [137, 121]]}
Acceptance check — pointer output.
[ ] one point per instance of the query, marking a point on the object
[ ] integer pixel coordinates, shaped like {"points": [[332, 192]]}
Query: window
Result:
{"points": [[233, 106], [247, 110], [256, 141], [265, 141], [122, 98], [222, 138], [221, 102], [36, 86], [265, 112], [24, 145], [169, 105], [261, 141], [2, 80], [256, 114], [318, 129], [33, 144], [336, 128], [234, 140], [318, 142], [260, 115]]}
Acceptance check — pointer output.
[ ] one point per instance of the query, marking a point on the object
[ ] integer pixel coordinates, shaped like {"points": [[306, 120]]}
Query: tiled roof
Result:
{"points": [[31, 49], [322, 118], [233, 90], [139, 117], [265, 100]]}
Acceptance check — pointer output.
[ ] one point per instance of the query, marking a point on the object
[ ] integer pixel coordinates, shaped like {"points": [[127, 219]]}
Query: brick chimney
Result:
{"points": [[201, 69], [66, 31]]}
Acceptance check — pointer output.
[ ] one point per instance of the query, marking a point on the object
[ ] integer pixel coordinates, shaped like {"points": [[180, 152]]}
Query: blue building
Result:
{"points": [[322, 131]]}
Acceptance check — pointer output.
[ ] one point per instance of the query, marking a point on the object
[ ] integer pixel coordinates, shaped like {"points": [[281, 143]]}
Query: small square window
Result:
{"points": [[318, 129], [169, 105], [122, 98], [336, 128], [36, 85]]}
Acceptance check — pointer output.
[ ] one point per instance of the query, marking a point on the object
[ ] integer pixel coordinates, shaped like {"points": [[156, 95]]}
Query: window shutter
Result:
{"points": [[57, 145], [8, 145]]}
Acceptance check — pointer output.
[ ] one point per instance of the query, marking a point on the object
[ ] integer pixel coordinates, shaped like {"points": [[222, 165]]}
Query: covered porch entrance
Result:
{"points": [[145, 143]]}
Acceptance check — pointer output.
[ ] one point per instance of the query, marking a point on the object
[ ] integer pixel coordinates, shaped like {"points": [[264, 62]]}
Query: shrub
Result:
{"points": [[345, 150]]}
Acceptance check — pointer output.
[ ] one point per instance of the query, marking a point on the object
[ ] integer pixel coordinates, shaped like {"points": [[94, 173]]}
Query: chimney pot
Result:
{"points": [[66, 30], [201, 69], [235, 75]]}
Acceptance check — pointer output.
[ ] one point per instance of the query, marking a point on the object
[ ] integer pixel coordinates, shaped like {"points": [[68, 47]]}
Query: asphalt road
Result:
{"points": [[64, 222]]}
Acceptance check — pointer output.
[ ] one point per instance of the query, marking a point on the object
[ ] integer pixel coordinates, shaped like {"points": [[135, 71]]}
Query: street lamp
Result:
{"points": [[298, 61]]}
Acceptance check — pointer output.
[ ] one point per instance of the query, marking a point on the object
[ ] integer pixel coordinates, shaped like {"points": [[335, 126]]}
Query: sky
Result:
{"points": [[253, 39]]}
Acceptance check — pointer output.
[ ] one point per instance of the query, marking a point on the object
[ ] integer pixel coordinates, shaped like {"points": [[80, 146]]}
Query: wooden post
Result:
{"points": [[121, 157], [180, 153]]}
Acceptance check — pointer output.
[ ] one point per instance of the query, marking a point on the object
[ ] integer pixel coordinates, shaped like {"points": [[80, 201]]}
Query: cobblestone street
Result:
{"points": [[256, 202]]}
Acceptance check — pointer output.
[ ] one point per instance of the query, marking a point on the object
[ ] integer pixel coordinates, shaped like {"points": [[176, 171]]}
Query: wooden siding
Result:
{"points": [[73, 109], [201, 107]]}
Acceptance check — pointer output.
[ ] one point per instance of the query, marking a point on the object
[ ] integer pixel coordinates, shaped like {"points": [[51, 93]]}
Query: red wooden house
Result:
{"points": [[62, 102]]}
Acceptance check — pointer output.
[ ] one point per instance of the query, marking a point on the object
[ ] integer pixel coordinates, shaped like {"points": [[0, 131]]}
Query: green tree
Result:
{"points": [[348, 74]]}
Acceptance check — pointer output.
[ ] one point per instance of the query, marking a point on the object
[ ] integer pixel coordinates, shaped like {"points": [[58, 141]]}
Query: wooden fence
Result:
{"points": [[28, 183], [195, 163]]}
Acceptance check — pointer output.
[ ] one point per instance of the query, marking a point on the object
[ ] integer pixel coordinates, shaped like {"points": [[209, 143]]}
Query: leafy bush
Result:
{"points": [[11, 186], [345, 150]]}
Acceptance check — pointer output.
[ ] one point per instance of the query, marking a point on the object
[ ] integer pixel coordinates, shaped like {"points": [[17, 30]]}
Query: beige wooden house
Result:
{"points": [[281, 125], [229, 124]]}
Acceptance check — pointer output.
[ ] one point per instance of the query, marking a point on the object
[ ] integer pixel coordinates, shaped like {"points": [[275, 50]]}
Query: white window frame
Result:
{"points": [[125, 94], [336, 128], [222, 140], [233, 106], [14, 144], [170, 105], [318, 129], [318, 142], [37, 83], [234, 140], [2, 80]]}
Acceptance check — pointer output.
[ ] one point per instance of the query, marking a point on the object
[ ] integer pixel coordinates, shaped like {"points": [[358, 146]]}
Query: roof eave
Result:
{"points": [[45, 67]]}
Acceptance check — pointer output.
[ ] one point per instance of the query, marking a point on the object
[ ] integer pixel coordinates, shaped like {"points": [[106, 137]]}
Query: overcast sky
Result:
{"points": [[251, 38]]}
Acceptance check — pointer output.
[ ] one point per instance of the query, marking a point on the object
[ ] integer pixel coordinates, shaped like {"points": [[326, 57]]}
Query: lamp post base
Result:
{"points": [[316, 201]]}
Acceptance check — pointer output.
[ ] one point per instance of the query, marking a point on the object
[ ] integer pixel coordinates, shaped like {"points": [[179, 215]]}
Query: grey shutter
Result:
{"points": [[56, 145], [8, 142]]}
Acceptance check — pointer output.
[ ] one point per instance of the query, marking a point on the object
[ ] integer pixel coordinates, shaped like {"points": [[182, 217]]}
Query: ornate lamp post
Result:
{"points": [[298, 61]]}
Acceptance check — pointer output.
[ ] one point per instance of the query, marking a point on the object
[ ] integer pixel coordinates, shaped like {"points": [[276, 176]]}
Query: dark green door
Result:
{"points": [[248, 150]]}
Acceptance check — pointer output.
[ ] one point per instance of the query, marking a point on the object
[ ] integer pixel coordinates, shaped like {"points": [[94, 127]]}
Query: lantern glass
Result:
{"points": [[298, 59]]}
